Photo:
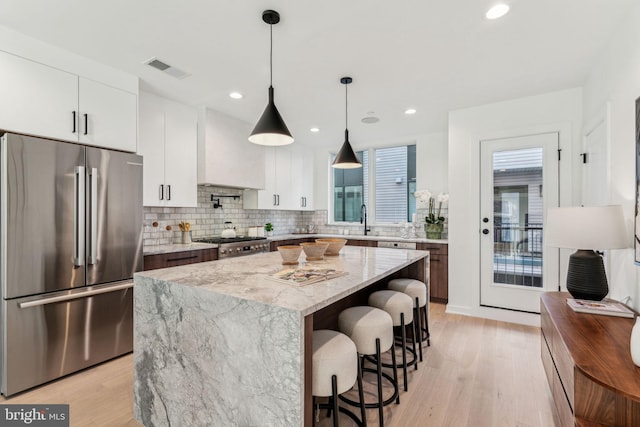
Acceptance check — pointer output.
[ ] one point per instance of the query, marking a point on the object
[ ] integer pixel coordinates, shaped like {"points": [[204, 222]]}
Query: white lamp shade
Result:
{"points": [[597, 227]]}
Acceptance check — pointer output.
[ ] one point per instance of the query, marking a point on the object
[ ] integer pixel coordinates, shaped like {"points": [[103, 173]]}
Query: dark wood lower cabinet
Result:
{"points": [[174, 259], [294, 242], [588, 364], [362, 242], [438, 271]]}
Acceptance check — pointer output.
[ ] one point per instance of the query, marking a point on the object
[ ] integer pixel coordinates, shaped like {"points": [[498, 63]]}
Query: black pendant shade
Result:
{"points": [[271, 129], [346, 157]]}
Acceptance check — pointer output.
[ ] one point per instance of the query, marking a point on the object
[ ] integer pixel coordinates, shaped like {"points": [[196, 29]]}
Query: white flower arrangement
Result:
{"points": [[424, 198]]}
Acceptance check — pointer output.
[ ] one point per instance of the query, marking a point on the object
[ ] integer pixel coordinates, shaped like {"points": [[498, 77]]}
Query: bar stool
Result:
{"points": [[371, 330], [400, 307], [417, 290], [334, 371]]}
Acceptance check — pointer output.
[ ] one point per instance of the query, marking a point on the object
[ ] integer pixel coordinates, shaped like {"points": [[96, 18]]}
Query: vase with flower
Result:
{"points": [[434, 221]]}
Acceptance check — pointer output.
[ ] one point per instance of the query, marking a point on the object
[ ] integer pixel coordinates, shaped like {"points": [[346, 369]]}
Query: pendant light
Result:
{"points": [[271, 129], [346, 158]]}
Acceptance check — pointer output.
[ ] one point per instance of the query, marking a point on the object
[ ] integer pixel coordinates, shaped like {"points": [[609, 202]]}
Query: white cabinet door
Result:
{"points": [[302, 178], [37, 99], [285, 198], [107, 116], [168, 144], [267, 198], [151, 148], [180, 160]]}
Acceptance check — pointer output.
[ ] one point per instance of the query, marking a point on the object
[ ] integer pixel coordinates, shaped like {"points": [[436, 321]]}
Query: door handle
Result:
{"points": [[86, 124], [278, 200], [93, 236], [78, 216], [168, 192], [485, 231], [78, 295], [74, 122], [161, 191]]}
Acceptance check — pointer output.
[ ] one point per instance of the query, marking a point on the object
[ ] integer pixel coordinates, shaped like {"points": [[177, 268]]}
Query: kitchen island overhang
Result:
{"points": [[223, 343]]}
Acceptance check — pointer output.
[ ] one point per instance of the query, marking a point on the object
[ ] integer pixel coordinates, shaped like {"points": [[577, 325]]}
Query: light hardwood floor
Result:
{"points": [[476, 373]]}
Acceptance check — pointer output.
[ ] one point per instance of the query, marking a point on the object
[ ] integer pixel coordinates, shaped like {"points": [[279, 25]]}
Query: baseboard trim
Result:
{"points": [[519, 317]]}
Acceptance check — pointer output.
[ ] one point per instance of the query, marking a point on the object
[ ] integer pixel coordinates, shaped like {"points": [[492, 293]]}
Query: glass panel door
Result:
{"points": [[519, 180]]}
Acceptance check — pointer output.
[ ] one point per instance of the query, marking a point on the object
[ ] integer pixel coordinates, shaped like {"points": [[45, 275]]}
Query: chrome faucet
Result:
{"points": [[363, 218]]}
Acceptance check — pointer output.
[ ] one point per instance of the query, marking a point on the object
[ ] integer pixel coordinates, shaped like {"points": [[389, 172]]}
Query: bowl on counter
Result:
{"points": [[314, 251], [335, 245], [289, 254]]}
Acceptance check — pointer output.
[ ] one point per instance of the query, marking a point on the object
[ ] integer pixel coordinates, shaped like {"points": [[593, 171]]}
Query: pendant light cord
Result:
{"points": [[271, 55], [346, 109]]}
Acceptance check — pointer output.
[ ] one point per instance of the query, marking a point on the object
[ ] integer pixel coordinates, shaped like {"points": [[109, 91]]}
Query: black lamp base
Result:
{"points": [[586, 278]]}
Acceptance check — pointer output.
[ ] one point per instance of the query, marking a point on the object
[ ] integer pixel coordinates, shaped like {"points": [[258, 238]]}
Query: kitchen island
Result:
{"points": [[223, 343]]}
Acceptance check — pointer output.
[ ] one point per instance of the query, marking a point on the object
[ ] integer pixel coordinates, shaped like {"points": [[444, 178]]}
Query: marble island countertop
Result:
{"points": [[249, 277]]}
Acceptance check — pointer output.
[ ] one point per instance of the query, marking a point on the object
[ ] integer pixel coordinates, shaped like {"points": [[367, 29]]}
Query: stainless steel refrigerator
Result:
{"points": [[70, 241]]}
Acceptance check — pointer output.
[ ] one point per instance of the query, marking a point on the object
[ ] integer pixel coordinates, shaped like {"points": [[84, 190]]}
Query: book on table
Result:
{"points": [[307, 275], [607, 308]]}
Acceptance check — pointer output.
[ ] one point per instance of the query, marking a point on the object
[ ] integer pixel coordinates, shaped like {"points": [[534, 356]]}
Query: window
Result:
{"points": [[350, 190], [393, 177]]}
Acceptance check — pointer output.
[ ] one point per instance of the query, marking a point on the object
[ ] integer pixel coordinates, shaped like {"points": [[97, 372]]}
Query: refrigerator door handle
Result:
{"points": [[78, 295], [93, 230], [78, 213]]}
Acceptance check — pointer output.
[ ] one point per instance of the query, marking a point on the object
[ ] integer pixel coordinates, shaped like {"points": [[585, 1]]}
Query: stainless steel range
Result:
{"points": [[237, 246]]}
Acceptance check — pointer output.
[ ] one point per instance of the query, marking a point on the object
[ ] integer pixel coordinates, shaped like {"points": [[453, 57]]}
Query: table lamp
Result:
{"points": [[586, 229]]}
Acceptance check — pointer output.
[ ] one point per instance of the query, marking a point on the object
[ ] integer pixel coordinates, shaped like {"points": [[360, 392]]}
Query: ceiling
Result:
{"points": [[434, 56]]}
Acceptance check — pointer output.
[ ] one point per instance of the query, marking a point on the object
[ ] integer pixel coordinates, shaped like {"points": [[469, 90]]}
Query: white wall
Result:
{"points": [[615, 78], [431, 164], [558, 111]]}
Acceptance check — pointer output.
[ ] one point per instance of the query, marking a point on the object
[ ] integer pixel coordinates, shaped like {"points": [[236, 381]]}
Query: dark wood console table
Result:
{"points": [[588, 365]]}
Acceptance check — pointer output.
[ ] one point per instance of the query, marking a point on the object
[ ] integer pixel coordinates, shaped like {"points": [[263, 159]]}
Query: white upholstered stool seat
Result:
{"points": [[333, 354], [413, 288], [371, 329], [400, 306], [363, 325], [335, 370]]}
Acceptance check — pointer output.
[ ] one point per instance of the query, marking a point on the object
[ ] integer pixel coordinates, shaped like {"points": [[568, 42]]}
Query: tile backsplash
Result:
{"points": [[206, 221]]}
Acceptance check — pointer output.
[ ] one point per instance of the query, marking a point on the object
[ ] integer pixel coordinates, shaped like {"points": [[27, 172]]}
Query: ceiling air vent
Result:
{"points": [[166, 68]]}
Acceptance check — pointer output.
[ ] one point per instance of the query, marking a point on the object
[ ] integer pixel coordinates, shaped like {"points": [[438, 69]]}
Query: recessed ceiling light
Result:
{"points": [[497, 11], [410, 111], [235, 95], [315, 130], [370, 119]]}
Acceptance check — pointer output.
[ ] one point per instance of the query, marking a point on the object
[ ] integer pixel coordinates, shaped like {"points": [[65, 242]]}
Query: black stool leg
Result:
{"points": [[363, 414], [417, 323], [334, 396], [395, 368], [379, 362], [413, 344], [426, 325], [404, 351]]}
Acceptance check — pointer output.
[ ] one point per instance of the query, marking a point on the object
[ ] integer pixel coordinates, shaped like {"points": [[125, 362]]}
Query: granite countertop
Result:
{"points": [[249, 277], [357, 237], [178, 247]]}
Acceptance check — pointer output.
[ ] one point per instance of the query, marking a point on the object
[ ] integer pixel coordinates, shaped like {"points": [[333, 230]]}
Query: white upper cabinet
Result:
{"points": [[225, 156], [168, 144], [108, 116], [302, 173], [288, 181], [45, 101], [37, 99]]}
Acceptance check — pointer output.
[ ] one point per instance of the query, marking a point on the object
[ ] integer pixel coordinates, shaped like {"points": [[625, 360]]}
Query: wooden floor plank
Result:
{"points": [[476, 373]]}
